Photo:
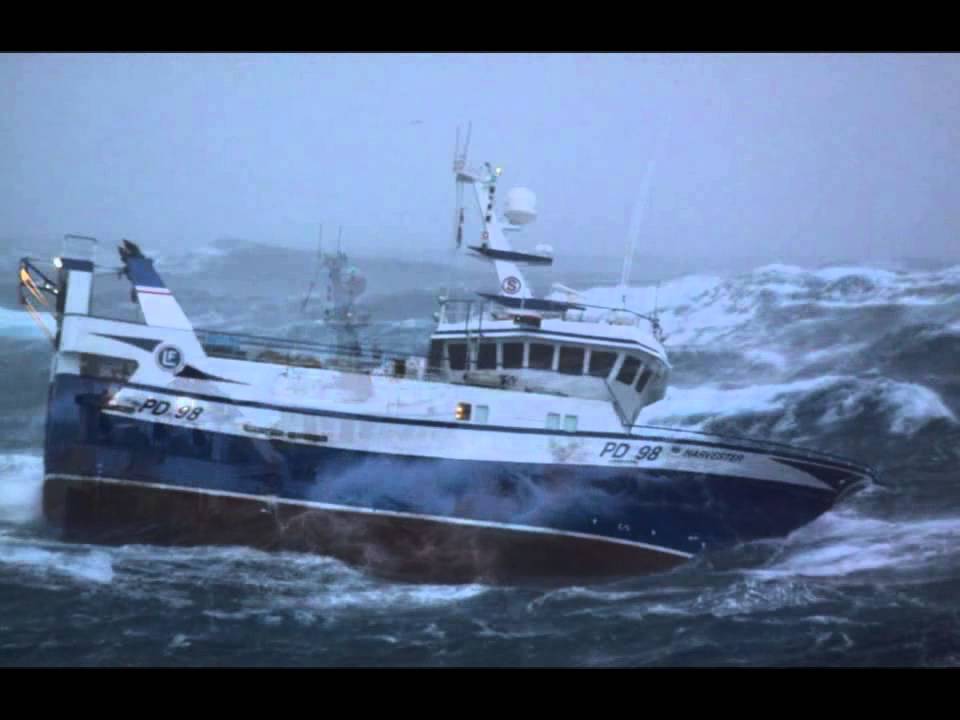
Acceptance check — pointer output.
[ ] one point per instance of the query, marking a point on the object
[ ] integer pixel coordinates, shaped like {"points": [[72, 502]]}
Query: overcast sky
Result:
{"points": [[778, 157]]}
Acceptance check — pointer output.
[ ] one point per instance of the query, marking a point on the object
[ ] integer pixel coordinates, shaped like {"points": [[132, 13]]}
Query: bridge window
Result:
{"points": [[571, 360], [487, 356], [601, 363], [644, 379], [435, 356], [541, 356], [481, 413], [524, 320], [553, 421], [457, 353], [462, 412], [570, 423], [513, 355], [628, 371]]}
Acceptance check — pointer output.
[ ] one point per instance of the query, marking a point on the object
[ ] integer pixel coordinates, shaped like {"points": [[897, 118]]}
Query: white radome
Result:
{"points": [[521, 206]]}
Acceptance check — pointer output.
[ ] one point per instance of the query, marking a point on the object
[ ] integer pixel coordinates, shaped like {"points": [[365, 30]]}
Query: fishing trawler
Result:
{"points": [[512, 452]]}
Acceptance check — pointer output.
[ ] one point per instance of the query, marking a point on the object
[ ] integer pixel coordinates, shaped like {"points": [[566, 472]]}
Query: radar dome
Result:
{"points": [[521, 207]]}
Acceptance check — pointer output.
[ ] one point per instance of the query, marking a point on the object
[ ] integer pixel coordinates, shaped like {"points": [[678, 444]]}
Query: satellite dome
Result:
{"points": [[521, 206]]}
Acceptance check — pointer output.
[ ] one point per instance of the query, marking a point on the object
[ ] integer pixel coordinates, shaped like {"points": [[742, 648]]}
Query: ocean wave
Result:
{"points": [[903, 408], [21, 487], [20, 324]]}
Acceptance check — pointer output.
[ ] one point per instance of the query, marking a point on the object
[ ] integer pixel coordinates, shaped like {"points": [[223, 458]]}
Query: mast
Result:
{"points": [[345, 284], [494, 245], [316, 275]]}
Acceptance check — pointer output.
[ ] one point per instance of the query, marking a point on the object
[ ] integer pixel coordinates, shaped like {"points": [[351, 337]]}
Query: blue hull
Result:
{"points": [[667, 513]]}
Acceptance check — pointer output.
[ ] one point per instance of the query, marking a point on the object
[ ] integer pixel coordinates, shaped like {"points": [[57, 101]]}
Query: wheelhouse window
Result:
{"points": [[487, 356], [644, 379], [601, 363], [541, 356], [628, 371], [457, 352], [553, 421], [571, 360], [524, 320], [513, 355], [435, 355]]}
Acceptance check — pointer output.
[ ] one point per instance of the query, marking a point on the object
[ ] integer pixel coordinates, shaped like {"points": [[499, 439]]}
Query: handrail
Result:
{"points": [[652, 319], [210, 338], [470, 301]]}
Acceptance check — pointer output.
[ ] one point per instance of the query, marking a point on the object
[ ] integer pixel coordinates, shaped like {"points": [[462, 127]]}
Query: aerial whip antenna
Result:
{"points": [[303, 305], [459, 161], [634, 228], [466, 145], [657, 328]]}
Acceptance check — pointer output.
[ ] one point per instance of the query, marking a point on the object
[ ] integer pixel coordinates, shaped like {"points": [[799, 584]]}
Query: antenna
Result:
{"points": [[634, 227], [460, 154], [459, 160], [303, 305], [657, 328], [339, 235], [466, 145]]}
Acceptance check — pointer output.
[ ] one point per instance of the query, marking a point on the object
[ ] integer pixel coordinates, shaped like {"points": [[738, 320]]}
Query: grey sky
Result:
{"points": [[778, 157]]}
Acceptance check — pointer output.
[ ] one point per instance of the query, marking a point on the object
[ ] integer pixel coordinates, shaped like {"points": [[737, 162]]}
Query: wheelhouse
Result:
{"points": [[603, 356]]}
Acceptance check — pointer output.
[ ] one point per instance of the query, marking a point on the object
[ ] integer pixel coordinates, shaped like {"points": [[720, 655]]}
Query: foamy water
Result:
{"points": [[848, 359]]}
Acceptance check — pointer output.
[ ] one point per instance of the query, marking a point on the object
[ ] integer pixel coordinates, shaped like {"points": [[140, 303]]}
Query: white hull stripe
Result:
{"points": [[153, 290], [274, 500], [393, 420]]}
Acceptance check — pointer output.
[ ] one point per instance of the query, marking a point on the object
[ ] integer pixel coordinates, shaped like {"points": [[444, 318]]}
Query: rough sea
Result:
{"points": [[862, 361]]}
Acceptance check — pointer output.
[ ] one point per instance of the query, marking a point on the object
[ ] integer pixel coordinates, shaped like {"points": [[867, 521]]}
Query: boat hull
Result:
{"points": [[390, 545], [123, 479]]}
